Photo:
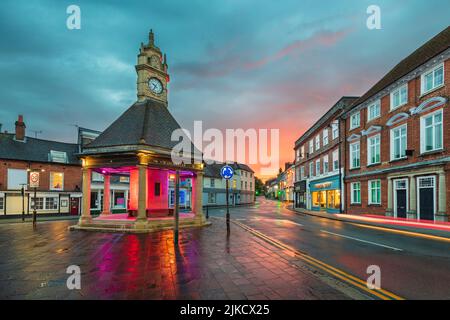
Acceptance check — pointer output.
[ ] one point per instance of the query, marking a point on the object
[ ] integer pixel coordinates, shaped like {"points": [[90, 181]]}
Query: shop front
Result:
{"points": [[326, 195], [300, 194]]}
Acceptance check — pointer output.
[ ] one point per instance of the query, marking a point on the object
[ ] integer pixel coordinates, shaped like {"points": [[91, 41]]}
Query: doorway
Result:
{"points": [[427, 197], [400, 198], [74, 206]]}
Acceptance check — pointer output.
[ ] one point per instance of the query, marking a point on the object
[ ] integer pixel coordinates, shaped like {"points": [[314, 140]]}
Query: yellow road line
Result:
{"points": [[409, 233], [381, 293]]}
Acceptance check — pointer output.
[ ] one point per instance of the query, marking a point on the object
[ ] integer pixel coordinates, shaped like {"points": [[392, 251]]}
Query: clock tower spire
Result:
{"points": [[151, 68]]}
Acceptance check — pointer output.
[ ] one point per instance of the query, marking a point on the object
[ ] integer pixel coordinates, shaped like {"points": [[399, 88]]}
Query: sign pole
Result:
{"points": [[228, 209], [34, 210]]}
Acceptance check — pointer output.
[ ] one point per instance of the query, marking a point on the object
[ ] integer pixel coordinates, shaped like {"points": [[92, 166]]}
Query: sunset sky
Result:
{"points": [[233, 63]]}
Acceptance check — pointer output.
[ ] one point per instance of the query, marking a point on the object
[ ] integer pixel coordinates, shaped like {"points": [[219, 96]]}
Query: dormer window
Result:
{"points": [[57, 156]]}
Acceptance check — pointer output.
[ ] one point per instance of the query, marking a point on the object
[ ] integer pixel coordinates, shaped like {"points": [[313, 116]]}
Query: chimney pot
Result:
{"points": [[20, 129]]}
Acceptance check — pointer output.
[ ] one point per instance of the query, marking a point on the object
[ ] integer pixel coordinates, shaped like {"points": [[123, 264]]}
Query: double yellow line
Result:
{"points": [[348, 278]]}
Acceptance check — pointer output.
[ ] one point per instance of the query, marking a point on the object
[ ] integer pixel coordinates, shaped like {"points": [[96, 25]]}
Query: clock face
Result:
{"points": [[155, 85]]}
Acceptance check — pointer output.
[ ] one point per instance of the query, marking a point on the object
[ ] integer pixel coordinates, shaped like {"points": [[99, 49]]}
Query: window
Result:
{"points": [[311, 169], [211, 198], [325, 137], [157, 189], [399, 97], [302, 152], [335, 160], [432, 79], [302, 172], [354, 155], [375, 192], [234, 183], [297, 155], [317, 142], [355, 192], [57, 156], [373, 111], [311, 147], [373, 150], [212, 182], [335, 131], [325, 164], [39, 203], [2, 203], [317, 167], [124, 179], [354, 120], [97, 176], [242, 185], [56, 181], [251, 186], [119, 199], [51, 203], [245, 184], [398, 142], [431, 132], [17, 178]]}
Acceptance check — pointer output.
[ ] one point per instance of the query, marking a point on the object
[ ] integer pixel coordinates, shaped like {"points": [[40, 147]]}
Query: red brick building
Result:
{"points": [[318, 182], [398, 139], [59, 174]]}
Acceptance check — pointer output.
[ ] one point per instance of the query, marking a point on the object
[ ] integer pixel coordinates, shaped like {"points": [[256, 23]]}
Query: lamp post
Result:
{"points": [[177, 206], [227, 173]]}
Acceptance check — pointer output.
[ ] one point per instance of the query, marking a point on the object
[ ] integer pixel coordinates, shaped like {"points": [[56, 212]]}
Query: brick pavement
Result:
{"points": [[205, 265]]}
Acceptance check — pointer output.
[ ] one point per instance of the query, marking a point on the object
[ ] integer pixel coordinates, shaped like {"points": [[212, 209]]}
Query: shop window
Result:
{"points": [[17, 178], [119, 199], [212, 182], [39, 203], [95, 201], [51, 203], [2, 201], [56, 181], [333, 199]]}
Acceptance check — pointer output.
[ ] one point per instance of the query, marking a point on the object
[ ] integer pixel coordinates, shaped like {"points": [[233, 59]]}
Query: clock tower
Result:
{"points": [[151, 68]]}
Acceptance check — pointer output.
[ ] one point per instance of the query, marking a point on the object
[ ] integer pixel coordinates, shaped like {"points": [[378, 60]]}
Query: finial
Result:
{"points": [[151, 38]]}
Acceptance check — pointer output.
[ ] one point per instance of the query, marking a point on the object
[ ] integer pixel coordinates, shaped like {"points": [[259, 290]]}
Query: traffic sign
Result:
{"points": [[34, 179], [226, 172]]}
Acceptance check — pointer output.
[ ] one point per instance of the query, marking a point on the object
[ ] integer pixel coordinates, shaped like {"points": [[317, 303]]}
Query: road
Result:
{"points": [[411, 267]]}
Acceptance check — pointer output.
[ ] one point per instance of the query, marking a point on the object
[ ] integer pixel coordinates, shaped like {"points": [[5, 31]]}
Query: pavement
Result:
{"points": [[206, 264], [413, 265]]}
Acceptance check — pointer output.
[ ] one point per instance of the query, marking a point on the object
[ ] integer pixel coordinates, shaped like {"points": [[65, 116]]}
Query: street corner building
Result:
{"points": [[138, 145], [59, 189], [398, 139], [386, 153]]}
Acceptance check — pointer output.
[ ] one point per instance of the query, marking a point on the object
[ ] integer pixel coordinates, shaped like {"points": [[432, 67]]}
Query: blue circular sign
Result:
{"points": [[227, 172]]}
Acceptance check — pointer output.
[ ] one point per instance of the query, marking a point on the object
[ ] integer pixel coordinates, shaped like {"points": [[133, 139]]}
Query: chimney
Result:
{"points": [[20, 129]]}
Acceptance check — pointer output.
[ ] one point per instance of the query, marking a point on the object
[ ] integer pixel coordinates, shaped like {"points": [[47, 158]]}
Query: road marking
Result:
{"points": [[409, 233], [361, 240], [361, 284]]}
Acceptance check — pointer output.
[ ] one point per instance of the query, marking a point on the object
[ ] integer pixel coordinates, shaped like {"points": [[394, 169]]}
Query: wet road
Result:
{"points": [[411, 267]]}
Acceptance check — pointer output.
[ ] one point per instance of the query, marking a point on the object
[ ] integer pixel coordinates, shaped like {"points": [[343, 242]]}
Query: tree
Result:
{"points": [[259, 186]]}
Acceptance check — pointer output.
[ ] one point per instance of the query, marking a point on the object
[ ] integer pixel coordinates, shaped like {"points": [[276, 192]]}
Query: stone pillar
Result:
{"points": [[106, 195], [389, 210], [141, 219], [442, 198], [412, 213], [198, 194], [86, 208]]}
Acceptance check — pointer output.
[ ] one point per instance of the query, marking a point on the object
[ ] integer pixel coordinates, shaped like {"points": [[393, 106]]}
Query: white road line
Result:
{"points": [[360, 240]]}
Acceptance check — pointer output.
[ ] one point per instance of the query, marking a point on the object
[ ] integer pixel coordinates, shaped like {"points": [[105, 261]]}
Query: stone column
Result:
{"points": [[412, 213], [106, 195], [198, 194], [86, 209], [442, 198], [389, 210], [141, 219]]}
